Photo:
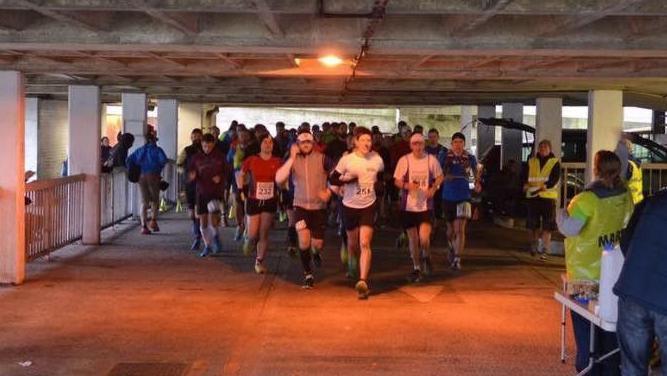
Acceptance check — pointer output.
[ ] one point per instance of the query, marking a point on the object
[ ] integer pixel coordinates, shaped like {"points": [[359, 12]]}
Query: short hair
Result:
{"points": [[280, 124], [433, 130], [196, 131], [458, 135], [360, 131], [545, 142], [208, 137], [263, 137], [375, 129], [214, 129]]}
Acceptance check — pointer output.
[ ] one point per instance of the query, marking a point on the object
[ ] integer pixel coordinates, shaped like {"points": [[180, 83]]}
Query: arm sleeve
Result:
{"points": [[554, 176]]}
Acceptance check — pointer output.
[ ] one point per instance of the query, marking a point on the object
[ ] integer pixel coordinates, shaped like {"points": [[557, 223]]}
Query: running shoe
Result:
{"points": [[415, 276], [154, 227], [543, 256], [427, 266], [145, 231], [456, 263], [317, 259], [205, 252], [196, 244], [308, 281], [259, 267], [238, 235], [218, 244], [362, 289]]}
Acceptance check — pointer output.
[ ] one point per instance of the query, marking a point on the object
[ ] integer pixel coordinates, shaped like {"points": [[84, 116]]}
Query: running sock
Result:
{"points": [[206, 235], [196, 232], [305, 260], [292, 236]]}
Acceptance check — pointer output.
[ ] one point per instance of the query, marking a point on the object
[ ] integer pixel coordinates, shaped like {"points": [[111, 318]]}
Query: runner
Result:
{"points": [[357, 173], [209, 171], [459, 168], [235, 157], [309, 170], [183, 164], [262, 201], [419, 176]]}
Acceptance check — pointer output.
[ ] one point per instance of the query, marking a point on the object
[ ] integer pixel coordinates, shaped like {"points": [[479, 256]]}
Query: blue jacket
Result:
{"points": [[644, 274], [150, 157]]}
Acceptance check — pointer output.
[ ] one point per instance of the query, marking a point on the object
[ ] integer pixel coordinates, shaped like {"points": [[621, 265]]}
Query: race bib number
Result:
{"points": [[421, 180], [264, 191], [365, 190], [464, 210]]}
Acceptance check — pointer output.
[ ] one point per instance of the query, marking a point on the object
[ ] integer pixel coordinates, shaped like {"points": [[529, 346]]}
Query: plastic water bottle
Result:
{"points": [[610, 270]]}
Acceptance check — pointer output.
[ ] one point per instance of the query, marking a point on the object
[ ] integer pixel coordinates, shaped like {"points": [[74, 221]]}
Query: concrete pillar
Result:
{"points": [[135, 107], [486, 136], [549, 123], [167, 126], [512, 139], [31, 139], [605, 124], [468, 127], [12, 186], [84, 153]]}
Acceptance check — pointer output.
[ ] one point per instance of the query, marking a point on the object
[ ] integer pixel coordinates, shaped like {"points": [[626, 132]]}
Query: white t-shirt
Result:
{"points": [[419, 171], [360, 193]]}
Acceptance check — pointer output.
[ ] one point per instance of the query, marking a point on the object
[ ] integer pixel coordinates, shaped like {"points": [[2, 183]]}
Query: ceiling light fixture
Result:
{"points": [[330, 61]]}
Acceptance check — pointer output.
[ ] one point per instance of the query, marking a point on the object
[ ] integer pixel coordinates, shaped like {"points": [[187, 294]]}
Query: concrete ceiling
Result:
{"points": [[402, 52]]}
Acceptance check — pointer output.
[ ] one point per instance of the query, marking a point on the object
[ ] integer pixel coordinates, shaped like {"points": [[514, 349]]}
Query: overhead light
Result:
{"points": [[330, 60]]}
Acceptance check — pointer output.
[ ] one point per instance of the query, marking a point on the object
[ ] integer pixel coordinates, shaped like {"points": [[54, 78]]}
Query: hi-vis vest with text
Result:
{"points": [[635, 183], [608, 217], [538, 176]]}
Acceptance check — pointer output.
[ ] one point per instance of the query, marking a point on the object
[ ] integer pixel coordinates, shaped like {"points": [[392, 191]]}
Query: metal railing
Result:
{"points": [[573, 179], [54, 218], [116, 194]]}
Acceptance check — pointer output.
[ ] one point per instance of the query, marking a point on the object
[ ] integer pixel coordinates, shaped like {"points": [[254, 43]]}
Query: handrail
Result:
{"points": [[50, 183]]}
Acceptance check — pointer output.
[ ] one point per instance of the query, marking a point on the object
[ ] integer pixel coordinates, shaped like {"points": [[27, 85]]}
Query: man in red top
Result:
{"points": [[259, 171], [209, 171]]}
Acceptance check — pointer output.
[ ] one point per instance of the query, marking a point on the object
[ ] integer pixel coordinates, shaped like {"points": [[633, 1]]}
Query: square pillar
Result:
{"points": [[605, 124], [486, 136], [12, 185], [84, 153], [549, 123], [31, 138], [512, 139], [468, 127], [135, 109], [167, 126]]}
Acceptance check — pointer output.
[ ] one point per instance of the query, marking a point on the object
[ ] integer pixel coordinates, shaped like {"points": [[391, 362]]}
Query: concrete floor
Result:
{"points": [[145, 305]]}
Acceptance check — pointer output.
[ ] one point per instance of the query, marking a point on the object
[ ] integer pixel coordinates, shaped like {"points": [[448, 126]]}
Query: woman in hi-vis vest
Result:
{"points": [[595, 217], [541, 187]]}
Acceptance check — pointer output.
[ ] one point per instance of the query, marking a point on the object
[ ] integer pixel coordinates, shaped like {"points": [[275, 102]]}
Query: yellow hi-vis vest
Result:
{"points": [[538, 176], [604, 219], [635, 183]]}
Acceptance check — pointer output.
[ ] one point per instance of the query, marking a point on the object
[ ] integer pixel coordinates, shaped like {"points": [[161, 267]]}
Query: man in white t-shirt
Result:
{"points": [[357, 174], [418, 175]]}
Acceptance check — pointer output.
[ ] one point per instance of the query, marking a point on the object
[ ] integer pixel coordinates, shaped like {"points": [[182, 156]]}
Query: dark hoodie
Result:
{"points": [[120, 151]]}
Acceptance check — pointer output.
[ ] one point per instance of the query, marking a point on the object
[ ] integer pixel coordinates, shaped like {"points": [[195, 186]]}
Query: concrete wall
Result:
{"points": [[445, 119], [52, 138], [189, 117], [293, 117]]}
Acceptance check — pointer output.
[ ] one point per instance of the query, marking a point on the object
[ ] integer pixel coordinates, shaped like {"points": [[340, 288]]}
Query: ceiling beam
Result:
{"points": [[160, 57], [228, 60], [577, 22], [490, 9], [267, 17], [59, 16], [188, 24]]}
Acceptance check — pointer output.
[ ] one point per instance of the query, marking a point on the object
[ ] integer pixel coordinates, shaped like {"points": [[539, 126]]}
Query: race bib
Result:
{"points": [[364, 190], [421, 180], [264, 190], [464, 210]]}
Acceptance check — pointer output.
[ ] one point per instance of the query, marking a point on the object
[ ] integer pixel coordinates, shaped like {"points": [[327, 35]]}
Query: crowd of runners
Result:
{"points": [[340, 174]]}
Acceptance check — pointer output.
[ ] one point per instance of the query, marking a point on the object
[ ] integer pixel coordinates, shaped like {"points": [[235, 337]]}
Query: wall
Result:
{"points": [[31, 133], [293, 117], [445, 119], [52, 138]]}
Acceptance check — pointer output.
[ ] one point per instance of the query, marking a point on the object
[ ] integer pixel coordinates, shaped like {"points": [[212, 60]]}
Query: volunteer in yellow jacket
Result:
{"points": [[635, 181], [541, 187], [594, 218]]}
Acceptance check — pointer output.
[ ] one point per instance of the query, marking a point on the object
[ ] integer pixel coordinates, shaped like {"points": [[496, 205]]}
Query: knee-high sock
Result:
{"points": [[196, 232], [305, 260], [207, 235]]}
